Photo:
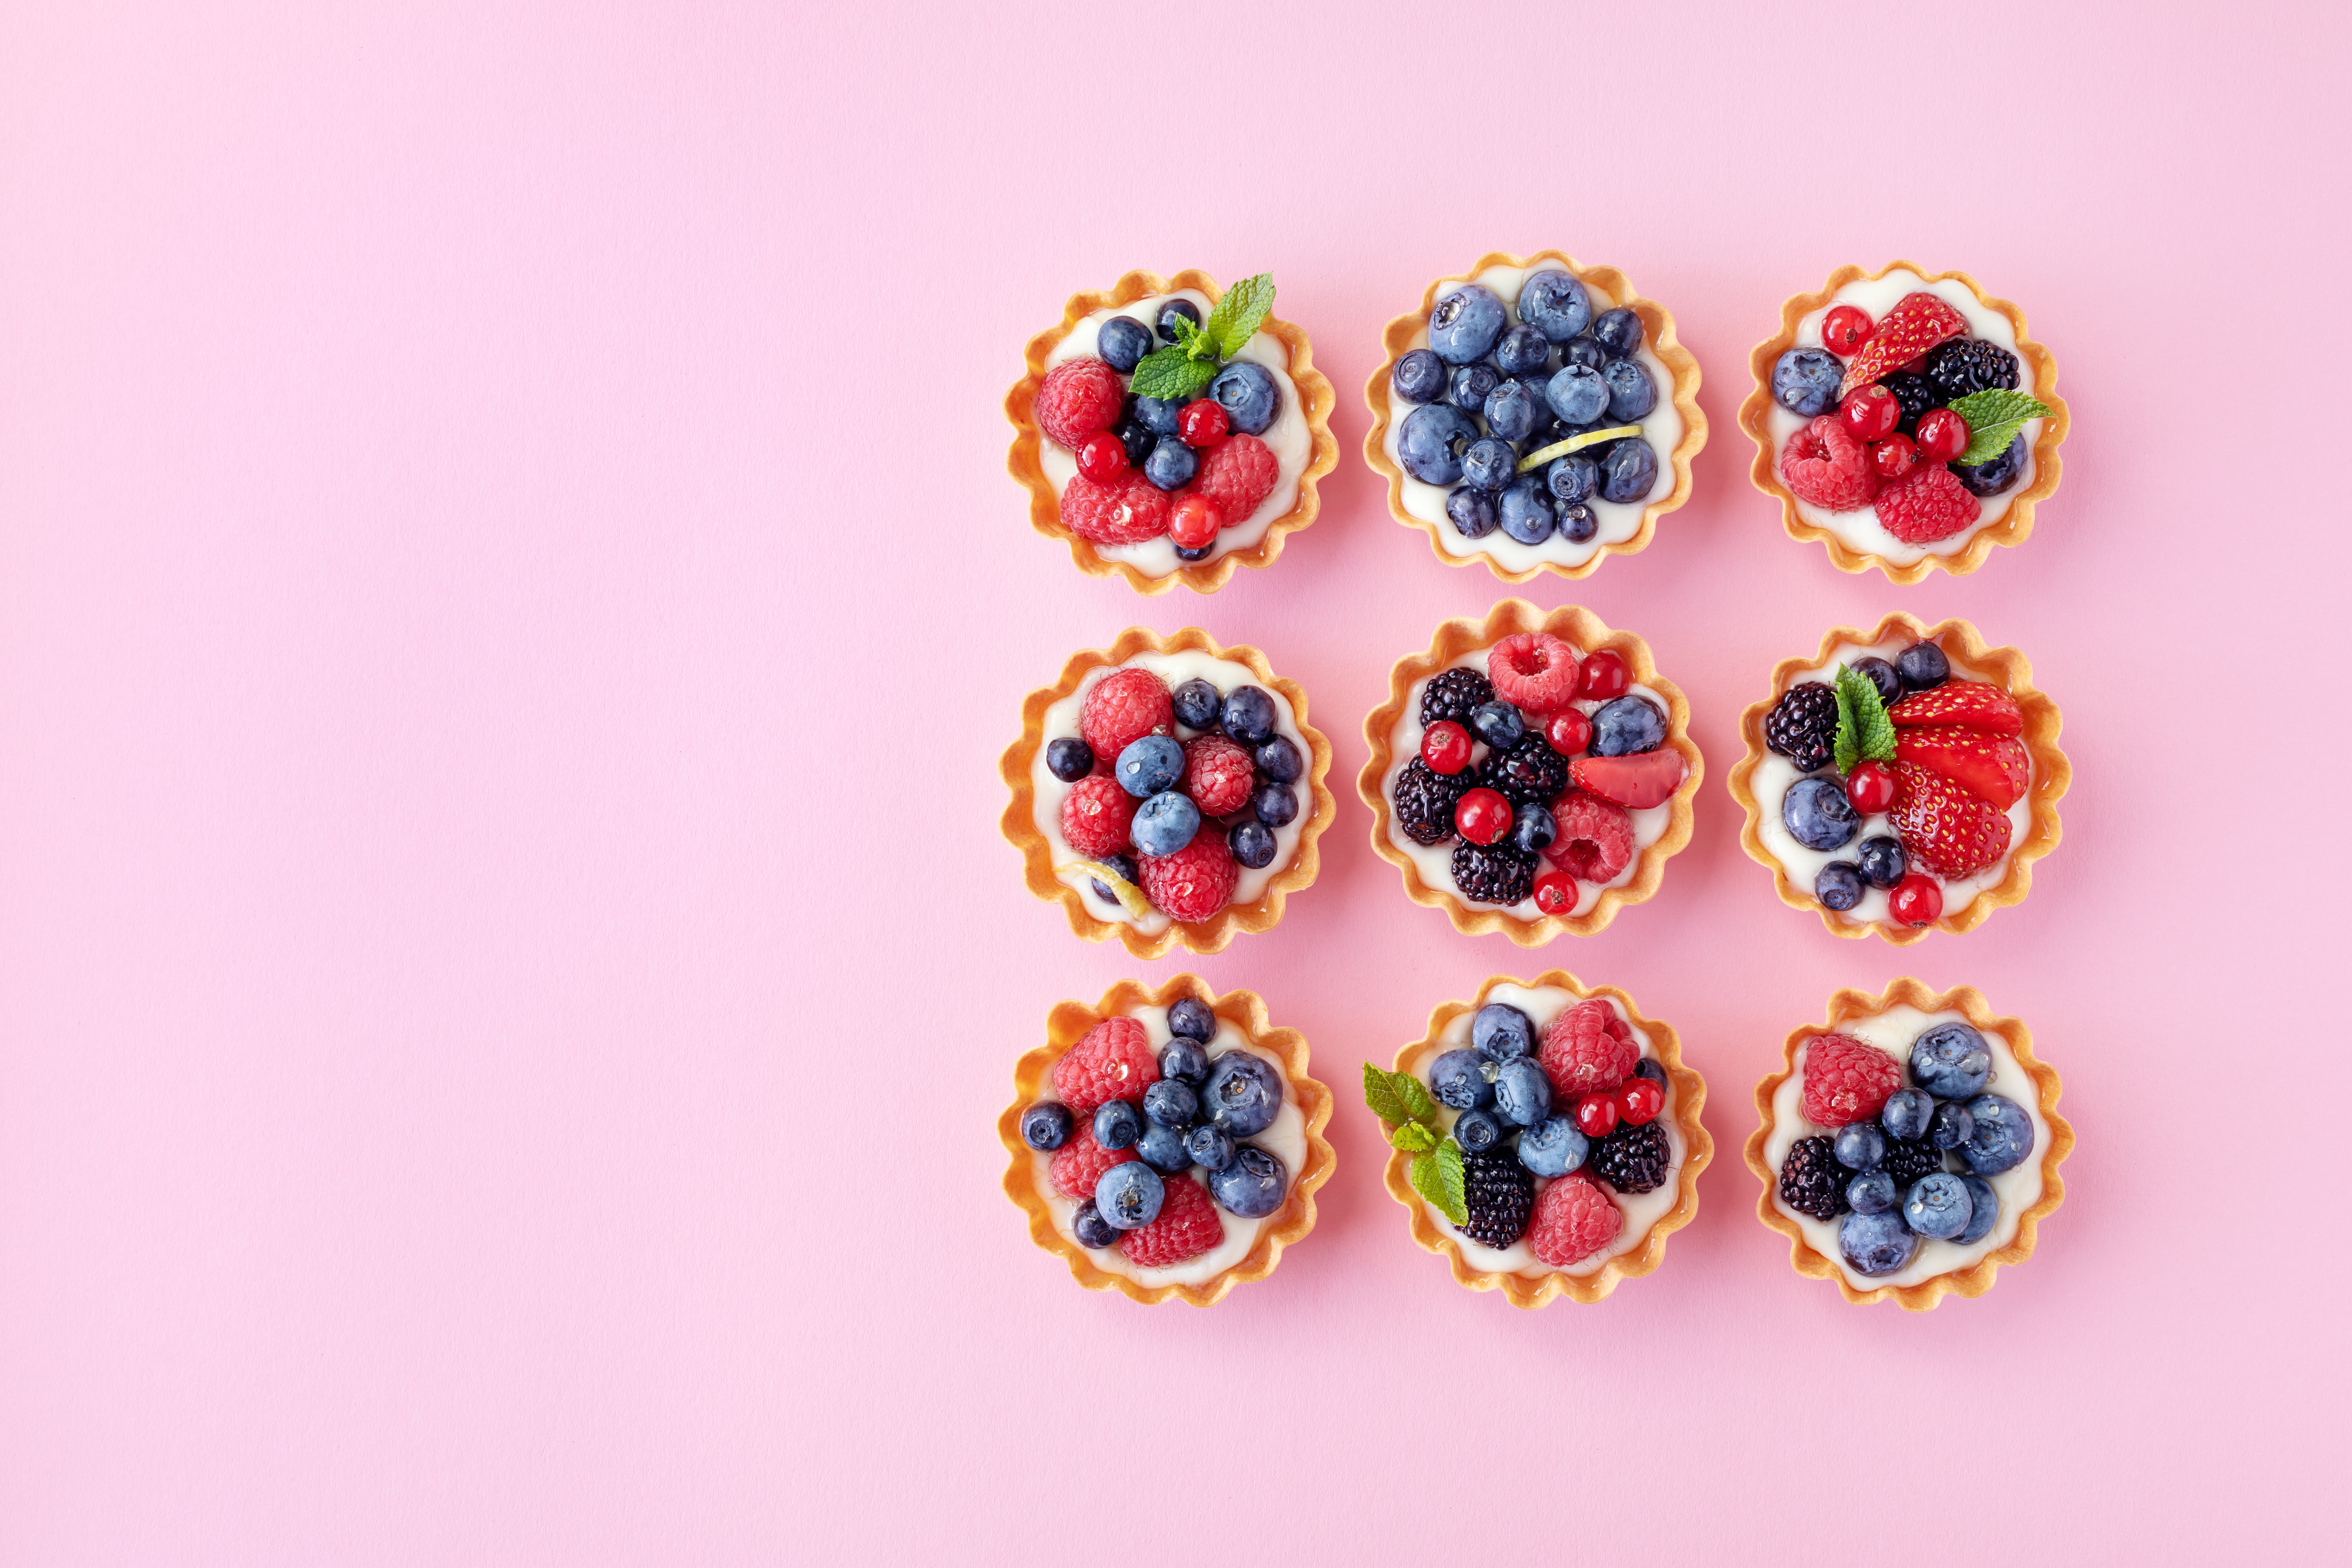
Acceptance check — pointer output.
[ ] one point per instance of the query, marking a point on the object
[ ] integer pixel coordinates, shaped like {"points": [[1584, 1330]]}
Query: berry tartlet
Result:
{"points": [[1911, 1145], [1545, 1138], [1901, 780], [1167, 1142], [1170, 430], [1531, 773], [1904, 419], [1534, 414], [1168, 790]]}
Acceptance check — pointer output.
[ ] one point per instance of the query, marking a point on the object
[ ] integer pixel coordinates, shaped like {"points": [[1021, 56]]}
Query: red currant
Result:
{"points": [[1869, 412], [1193, 521], [1446, 747], [1482, 817], [1568, 733], [1846, 328], [1638, 1100], [1555, 893], [1871, 787], [1604, 676], [1943, 434], [1596, 1114], [1202, 422], [1894, 456], [1916, 900], [1102, 457]]}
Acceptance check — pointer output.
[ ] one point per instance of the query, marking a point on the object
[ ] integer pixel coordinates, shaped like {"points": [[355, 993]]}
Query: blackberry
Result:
{"points": [[1529, 774], [1499, 1193], [1425, 800], [1914, 395], [1970, 364], [1493, 873], [1453, 694], [1812, 1181], [1633, 1159], [1802, 724], [1908, 1159]]}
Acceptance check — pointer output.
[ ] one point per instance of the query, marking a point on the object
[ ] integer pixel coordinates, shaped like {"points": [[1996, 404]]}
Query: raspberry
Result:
{"points": [[1823, 464], [1237, 473], [1122, 707], [1586, 1050], [1593, 838], [1114, 1061], [1128, 510], [1217, 775], [1193, 883], [1097, 816], [1535, 670], [1574, 1219], [1931, 504], [1812, 1181], [1080, 1161], [1188, 1227], [1846, 1080], [1080, 396]]}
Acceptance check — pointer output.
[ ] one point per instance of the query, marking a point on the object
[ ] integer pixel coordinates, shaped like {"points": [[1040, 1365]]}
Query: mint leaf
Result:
{"points": [[1412, 1138], [1864, 731], [1238, 314], [1995, 416], [1438, 1177], [1172, 373], [1196, 343], [1382, 1096], [1416, 1101]]}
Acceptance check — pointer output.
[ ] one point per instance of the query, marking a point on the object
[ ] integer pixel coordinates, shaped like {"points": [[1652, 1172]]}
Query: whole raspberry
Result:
{"points": [[1128, 510], [1823, 464], [1188, 1227], [1587, 1049], [1114, 1061], [1218, 774], [1236, 474], [1097, 816], [1193, 883], [1123, 707], [1080, 396], [1593, 841], [1929, 504], [1080, 1161], [1535, 670], [1574, 1219], [1846, 1080]]}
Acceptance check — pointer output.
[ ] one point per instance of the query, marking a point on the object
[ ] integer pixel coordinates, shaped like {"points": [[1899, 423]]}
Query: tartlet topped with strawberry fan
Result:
{"points": [[1905, 420], [1170, 430]]}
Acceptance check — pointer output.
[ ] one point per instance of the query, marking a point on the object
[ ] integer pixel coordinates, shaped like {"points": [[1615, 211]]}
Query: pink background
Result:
{"points": [[509, 605]]}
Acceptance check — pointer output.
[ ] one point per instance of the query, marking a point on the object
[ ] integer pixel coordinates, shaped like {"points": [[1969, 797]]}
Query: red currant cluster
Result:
{"points": [[1870, 414], [1193, 518], [1635, 1103]]}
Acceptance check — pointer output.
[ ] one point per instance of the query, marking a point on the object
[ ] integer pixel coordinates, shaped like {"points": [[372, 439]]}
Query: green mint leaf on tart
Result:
{"points": [[1437, 1176], [1173, 373], [1382, 1096], [1412, 1138], [1239, 313], [1195, 342], [1994, 417], [1415, 1098], [1864, 731]]}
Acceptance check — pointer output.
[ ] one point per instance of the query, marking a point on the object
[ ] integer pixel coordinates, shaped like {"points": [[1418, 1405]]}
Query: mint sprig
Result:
{"points": [[1438, 1178], [1172, 373], [1864, 730], [1236, 318], [1994, 417], [1183, 369], [1400, 1102]]}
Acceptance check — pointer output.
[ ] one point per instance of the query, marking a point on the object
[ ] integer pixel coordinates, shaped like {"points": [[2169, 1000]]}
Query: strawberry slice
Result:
{"points": [[1971, 704], [1943, 828], [1917, 324], [1992, 767], [1641, 780]]}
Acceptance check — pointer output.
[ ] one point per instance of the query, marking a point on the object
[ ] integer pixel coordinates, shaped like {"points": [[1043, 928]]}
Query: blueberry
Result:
{"points": [[1243, 1094], [1275, 804], [1577, 523], [1881, 675], [1818, 815], [1045, 1125], [1477, 1131], [1117, 1125], [1524, 510], [1532, 828], [1430, 440], [1631, 393], [1552, 1147], [1937, 1206], [1984, 1210], [1871, 1191], [1278, 760], [1172, 1103], [1163, 1147], [1522, 1092], [1572, 479], [1805, 380], [2002, 1136], [1419, 376], [1158, 415], [1839, 885], [1463, 1079], [1471, 511], [1247, 715], [1091, 1229], [1630, 471], [1210, 1147], [1996, 474], [1245, 391], [1489, 463], [1618, 330], [1196, 703], [1169, 312], [1951, 1061], [1521, 350], [1183, 1061], [1583, 352], [1907, 1113], [1467, 388], [1951, 1125], [1151, 763], [1165, 823], [1513, 411], [1139, 440], [1577, 394], [1251, 843], [1498, 724], [1882, 861], [1555, 304], [1465, 322], [1627, 727], [1654, 1069], [1202, 553], [1119, 865], [1252, 1184], [1123, 342], [1172, 464], [1501, 1032], [1070, 760], [1129, 1195], [1922, 667], [1858, 1145], [1189, 1019], [1876, 1243]]}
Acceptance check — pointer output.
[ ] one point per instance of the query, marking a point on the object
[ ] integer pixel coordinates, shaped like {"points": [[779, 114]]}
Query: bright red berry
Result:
{"points": [[1080, 1161], [1929, 505], [1943, 434], [1604, 676], [1446, 747], [1114, 1061], [1593, 838], [1845, 1081], [1574, 1220], [1097, 816], [1130, 509], [1482, 817], [1192, 522], [1125, 705], [1202, 422], [1824, 465], [1894, 456], [1845, 328], [1077, 398], [1193, 883], [1237, 473], [1103, 457], [1638, 1100], [1186, 1227], [1533, 670], [1596, 1114], [1588, 1049], [1871, 787], [1568, 733], [1916, 900], [1555, 893], [1869, 412], [1218, 774]]}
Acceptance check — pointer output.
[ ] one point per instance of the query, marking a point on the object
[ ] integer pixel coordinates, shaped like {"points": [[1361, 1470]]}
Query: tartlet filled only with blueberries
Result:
{"points": [[1545, 1138], [1531, 773], [1170, 430], [1905, 420], [1910, 1146], [1901, 780], [1534, 414], [1167, 791], [1167, 1143]]}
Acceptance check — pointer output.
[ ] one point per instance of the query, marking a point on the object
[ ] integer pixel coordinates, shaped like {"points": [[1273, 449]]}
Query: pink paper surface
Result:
{"points": [[509, 604]]}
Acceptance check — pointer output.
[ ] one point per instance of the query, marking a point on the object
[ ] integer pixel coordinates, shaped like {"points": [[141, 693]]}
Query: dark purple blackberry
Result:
{"points": [[1633, 1159], [1970, 364], [1914, 395], [1530, 773], [1499, 1193], [1424, 800], [1812, 1181], [1802, 724], [1909, 1158], [1493, 873], [1453, 694]]}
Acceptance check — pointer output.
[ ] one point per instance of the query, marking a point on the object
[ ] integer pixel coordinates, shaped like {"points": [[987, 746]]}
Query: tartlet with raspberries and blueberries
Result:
{"points": [[1910, 1146], [1170, 430], [1905, 420], [1167, 1143], [1531, 774], [1168, 790], [1534, 414], [1901, 780], [1545, 1138]]}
